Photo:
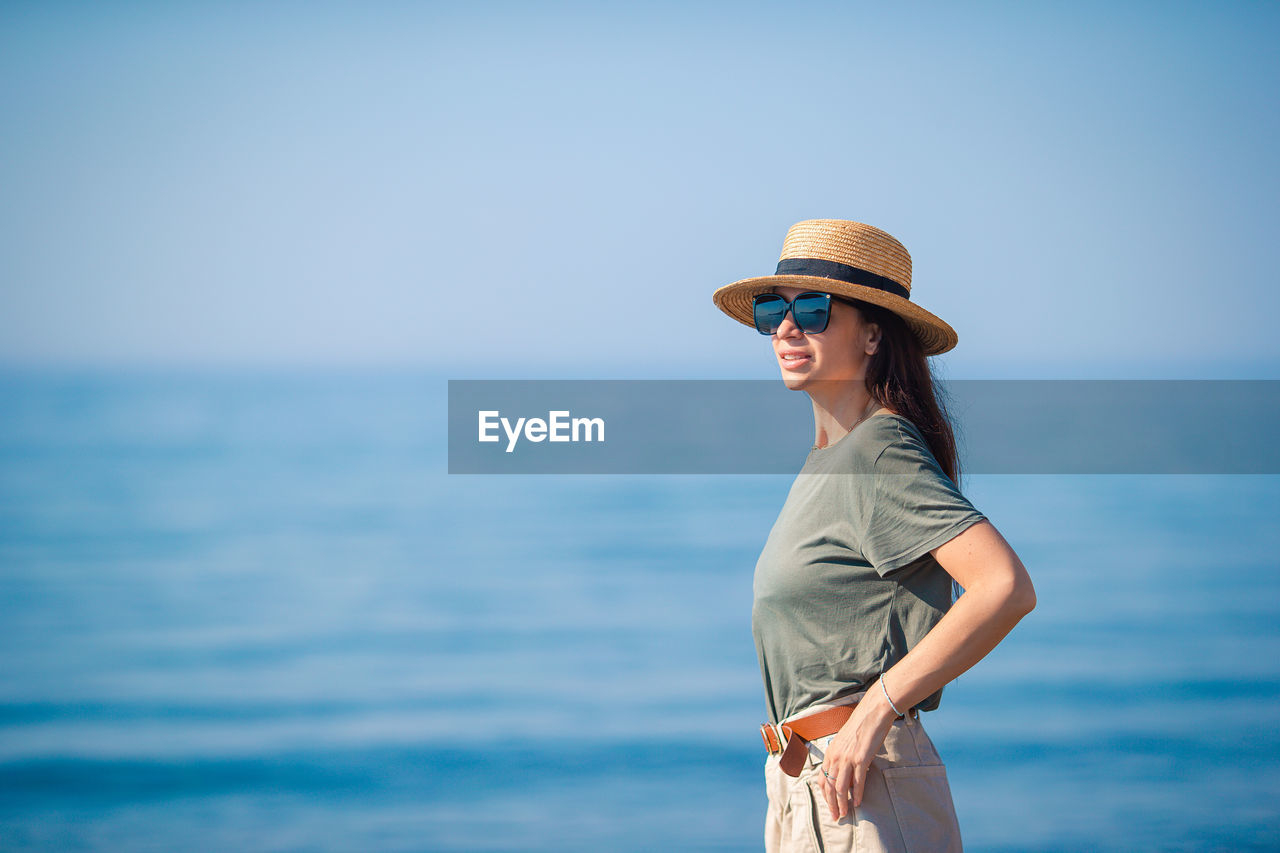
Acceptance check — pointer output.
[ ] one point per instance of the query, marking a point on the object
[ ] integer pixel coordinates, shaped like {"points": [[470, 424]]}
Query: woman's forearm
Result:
{"points": [[998, 595], [974, 625]]}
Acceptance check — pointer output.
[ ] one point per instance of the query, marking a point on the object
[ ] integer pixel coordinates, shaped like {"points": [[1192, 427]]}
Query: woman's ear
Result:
{"points": [[873, 338]]}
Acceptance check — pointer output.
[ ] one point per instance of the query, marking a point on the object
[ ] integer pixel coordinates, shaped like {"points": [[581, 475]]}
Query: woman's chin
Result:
{"points": [[795, 381]]}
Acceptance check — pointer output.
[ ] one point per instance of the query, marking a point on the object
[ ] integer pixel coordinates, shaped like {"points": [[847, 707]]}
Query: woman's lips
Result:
{"points": [[793, 361]]}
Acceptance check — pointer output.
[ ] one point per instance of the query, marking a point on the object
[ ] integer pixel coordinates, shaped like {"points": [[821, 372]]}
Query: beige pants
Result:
{"points": [[906, 805]]}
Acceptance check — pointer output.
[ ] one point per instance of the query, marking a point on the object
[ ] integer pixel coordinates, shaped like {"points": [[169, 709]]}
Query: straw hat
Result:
{"points": [[848, 259]]}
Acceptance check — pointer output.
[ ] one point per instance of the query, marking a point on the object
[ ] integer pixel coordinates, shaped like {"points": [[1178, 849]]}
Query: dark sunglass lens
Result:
{"points": [[812, 312], [769, 311]]}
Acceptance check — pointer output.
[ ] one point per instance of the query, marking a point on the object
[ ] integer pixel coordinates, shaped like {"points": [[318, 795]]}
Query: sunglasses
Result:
{"points": [[811, 311]]}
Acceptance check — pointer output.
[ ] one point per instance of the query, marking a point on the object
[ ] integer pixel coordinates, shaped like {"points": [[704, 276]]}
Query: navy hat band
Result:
{"points": [[840, 272]]}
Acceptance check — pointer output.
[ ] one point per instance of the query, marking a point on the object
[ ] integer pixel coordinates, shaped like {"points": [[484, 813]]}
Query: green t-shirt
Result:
{"points": [[845, 585]]}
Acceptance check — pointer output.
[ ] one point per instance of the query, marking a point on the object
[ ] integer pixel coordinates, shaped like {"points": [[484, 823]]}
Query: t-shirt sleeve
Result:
{"points": [[908, 506]]}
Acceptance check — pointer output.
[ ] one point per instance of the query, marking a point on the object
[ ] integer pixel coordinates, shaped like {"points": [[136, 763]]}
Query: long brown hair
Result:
{"points": [[900, 378]]}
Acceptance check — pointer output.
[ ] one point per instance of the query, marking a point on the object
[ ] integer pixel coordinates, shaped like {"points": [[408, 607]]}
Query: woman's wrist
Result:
{"points": [[880, 707], [884, 691]]}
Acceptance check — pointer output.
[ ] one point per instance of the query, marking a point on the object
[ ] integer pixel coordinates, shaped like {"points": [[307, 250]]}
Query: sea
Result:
{"points": [[253, 611]]}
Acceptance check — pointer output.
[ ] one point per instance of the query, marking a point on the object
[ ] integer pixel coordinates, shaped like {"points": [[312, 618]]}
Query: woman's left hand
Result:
{"points": [[848, 755]]}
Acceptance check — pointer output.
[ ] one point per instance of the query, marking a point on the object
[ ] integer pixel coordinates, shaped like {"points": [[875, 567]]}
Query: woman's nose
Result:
{"points": [[788, 328]]}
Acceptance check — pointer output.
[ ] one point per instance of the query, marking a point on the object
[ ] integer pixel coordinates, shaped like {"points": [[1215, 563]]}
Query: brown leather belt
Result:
{"points": [[800, 731]]}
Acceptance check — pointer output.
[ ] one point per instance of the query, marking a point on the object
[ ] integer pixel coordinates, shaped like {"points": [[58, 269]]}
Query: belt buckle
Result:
{"points": [[772, 741]]}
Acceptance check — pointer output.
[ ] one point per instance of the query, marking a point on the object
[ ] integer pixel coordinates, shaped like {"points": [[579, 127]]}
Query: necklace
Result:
{"points": [[866, 412]]}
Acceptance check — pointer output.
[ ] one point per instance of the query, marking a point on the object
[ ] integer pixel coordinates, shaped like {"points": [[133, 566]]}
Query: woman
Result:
{"points": [[853, 616]]}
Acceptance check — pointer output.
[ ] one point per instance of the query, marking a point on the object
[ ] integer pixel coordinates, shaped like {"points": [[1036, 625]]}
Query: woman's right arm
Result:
{"points": [[997, 593]]}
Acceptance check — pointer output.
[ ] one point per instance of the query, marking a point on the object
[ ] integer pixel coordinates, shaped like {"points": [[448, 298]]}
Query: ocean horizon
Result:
{"points": [[255, 612]]}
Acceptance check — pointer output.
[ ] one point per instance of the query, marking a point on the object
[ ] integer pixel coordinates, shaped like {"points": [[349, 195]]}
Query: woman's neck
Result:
{"points": [[836, 414]]}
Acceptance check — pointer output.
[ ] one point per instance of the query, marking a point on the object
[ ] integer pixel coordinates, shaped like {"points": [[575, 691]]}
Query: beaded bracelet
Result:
{"points": [[886, 696]]}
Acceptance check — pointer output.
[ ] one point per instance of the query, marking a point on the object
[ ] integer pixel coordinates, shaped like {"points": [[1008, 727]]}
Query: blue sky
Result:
{"points": [[525, 190]]}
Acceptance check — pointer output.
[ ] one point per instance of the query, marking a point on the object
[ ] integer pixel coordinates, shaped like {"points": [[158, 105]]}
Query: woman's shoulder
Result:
{"points": [[898, 444], [862, 446], [888, 427], [889, 431]]}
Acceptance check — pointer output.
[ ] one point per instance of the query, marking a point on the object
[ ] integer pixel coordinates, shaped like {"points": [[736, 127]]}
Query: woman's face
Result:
{"points": [[839, 353]]}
